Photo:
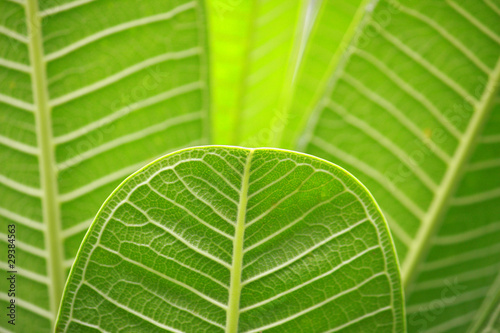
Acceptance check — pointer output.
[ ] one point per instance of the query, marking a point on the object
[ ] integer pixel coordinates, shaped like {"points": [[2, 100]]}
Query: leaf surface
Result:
{"points": [[220, 239], [89, 92], [414, 112], [254, 47], [334, 23]]}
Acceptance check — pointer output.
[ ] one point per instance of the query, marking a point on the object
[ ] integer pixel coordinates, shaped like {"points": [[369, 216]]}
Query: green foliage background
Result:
{"points": [[403, 94]]}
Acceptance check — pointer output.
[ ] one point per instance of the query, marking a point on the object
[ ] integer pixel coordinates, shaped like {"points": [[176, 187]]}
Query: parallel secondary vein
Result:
{"points": [[64, 7], [326, 301], [132, 311], [165, 277], [308, 282], [233, 311], [441, 30], [119, 28], [410, 90]]}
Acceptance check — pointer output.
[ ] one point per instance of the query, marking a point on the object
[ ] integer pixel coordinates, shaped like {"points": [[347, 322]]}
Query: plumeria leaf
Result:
{"points": [[89, 92], [222, 239], [414, 112], [255, 47]]}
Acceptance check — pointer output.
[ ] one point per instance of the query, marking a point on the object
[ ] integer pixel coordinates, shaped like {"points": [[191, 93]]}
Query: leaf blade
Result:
{"points": [[73, 98], [247, 270], [415, 115], [334, 25], [255, 47]]}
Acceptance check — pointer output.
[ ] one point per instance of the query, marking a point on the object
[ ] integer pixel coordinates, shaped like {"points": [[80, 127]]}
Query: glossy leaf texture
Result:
{"points": [[413, 112], [223, 239], [254, 47], [89, 92]]}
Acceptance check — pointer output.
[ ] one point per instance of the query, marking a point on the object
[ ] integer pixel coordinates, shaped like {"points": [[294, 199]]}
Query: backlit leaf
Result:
{"points": [[414, 112], [254, 49], [89, 92], [219, 239]]}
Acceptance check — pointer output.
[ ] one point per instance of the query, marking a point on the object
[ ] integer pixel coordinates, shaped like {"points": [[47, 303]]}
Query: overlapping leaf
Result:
{"points": [[89, 91], [413, 112], [219, 239]]}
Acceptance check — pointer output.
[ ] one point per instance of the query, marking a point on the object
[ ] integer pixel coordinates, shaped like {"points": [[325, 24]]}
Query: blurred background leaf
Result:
{"points": [[255, 47], [89, 92], [413, 111]]}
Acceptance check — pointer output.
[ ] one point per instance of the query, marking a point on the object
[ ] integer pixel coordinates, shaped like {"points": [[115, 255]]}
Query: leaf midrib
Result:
{"points": [[233, 311], [48, 172], [449, 184]]}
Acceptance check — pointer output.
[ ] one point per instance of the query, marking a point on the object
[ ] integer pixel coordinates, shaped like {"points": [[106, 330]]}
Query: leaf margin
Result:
{"points": [[388, 244]]}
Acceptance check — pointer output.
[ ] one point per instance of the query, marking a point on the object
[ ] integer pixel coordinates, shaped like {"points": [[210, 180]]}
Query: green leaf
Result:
{"points": [[487, 319], [414, 113], [220, 239], [89, 91], [254, 47], [333, 27]]}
